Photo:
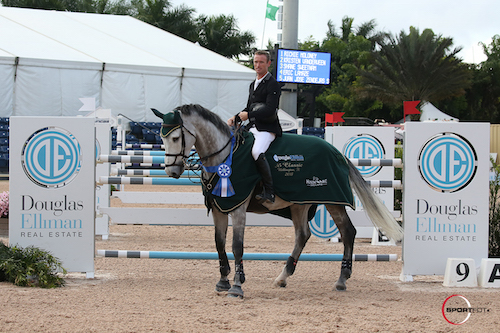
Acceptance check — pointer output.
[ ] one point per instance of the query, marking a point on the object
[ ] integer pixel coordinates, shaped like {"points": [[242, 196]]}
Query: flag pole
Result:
{"points": [[264, 30]]}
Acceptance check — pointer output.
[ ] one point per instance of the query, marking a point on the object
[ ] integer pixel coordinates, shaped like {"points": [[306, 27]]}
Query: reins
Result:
{"points": [[237, 130], [183, 143]]}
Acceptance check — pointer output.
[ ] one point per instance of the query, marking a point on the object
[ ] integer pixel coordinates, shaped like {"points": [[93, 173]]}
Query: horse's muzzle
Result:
{"points": [[174, 171]]}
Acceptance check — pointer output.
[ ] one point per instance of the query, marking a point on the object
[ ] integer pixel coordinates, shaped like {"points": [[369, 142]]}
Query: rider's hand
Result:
{"points": [[243, 115], [230, 122]]}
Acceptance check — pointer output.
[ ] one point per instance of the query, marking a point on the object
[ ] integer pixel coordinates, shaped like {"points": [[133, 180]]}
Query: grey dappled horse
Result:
{"points": [[193, 125]]}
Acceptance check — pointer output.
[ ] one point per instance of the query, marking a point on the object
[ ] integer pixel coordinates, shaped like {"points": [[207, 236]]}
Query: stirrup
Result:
{"points": [[265, 196]]}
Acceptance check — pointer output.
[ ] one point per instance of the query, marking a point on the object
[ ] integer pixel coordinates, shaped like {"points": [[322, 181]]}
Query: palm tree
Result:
{"points": [[116, 7], [490, 69], [350, 48], [366, 29], [345, 30], [222, 35], [414, 66], [180, 20]]}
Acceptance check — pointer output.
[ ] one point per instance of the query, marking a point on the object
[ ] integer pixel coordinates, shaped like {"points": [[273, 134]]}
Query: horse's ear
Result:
{"points": [[157, 113]]}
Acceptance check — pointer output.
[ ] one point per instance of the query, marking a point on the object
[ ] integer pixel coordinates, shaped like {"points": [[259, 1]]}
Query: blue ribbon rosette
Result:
{"points": [[223, 188]]}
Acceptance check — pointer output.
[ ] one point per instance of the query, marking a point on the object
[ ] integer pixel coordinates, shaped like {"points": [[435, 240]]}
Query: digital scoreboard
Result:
{"points": [[296, 66]]}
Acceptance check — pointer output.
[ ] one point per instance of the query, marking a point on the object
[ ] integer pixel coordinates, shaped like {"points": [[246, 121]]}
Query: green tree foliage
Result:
{"points": [[414, 66], [222, 35], [180, 20], [350, 48], [482, 100], [366, 29], [347, 56]]}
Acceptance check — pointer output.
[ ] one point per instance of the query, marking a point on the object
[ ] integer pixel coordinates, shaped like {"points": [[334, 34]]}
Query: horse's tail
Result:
{"points": [[374, 207]]}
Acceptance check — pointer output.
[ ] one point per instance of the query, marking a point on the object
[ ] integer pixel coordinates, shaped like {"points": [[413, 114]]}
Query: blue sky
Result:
{"points": [[468, 22]]}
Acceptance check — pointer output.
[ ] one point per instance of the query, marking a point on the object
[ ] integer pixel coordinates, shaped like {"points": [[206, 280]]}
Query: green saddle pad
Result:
{"points": [[305, 169]]}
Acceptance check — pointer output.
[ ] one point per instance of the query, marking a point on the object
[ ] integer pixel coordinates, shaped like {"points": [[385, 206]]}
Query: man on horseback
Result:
{"points": [[262, 113]]}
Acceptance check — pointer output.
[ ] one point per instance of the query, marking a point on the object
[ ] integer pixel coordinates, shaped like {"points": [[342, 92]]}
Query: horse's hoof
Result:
{"points": [[340, 286], [280, 283], [235, 292], [222, 286]]}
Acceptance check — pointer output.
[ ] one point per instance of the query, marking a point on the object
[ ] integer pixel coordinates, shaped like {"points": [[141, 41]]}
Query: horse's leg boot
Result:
{"points": [[267, 180]]}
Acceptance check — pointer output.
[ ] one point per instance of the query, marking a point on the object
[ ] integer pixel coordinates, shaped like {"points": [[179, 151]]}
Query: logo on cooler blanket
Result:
{"points": [[315, 182]]}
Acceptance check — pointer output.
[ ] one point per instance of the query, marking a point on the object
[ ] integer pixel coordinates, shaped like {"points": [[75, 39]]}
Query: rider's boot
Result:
{"points": [[267, 180]]}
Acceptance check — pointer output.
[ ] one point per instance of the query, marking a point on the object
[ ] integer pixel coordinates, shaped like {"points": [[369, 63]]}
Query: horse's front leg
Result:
{"points": [[302, 235], [348, 233], [221, 222], [238, 218]]}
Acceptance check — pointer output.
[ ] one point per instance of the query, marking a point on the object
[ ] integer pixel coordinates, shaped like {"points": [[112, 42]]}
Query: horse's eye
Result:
{"points": [[175, 139]]}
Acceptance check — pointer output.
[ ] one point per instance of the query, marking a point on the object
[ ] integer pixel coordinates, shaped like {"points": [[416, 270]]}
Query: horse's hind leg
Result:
{"points": [[348, 232], [221, 222], [302, 234]]}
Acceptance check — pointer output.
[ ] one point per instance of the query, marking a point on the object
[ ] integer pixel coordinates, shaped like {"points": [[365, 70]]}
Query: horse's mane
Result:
{"points": [[189, 109]]}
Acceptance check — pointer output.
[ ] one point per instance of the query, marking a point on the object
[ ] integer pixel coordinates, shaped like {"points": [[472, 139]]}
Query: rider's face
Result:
{"points": [[261, 65]]}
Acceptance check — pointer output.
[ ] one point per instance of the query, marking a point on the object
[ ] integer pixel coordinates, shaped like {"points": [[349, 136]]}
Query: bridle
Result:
{"points": [[170, 128]]}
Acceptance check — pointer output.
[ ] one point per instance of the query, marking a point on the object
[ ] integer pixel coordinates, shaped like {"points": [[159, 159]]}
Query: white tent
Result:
{"points": [[50, 59], [430, 113]]}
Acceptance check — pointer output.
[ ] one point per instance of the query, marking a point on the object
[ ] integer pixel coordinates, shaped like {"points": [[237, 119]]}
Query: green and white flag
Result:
{"points": [[271, 12]]}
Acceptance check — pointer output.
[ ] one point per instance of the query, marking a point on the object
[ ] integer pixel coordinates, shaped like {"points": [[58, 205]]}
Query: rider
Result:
{"points": [[262, 113]]}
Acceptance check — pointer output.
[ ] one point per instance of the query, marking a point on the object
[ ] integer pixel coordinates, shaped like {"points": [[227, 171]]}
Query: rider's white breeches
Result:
{"points": [[262, 142]]}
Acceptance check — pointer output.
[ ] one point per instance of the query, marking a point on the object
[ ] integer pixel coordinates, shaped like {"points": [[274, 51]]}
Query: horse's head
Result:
{"points": [[177, 141]]}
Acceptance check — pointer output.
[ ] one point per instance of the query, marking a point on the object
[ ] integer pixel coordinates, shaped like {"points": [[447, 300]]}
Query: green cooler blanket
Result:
{"points": [[305, 169]]}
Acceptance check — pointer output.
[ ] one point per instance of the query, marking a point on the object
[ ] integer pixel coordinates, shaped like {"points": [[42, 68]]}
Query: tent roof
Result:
{"points": [[431, 113], [6, 58], [121, 43]]}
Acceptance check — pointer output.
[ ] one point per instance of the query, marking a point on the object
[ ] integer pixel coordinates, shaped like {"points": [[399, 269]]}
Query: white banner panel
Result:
{"points": [[52, 172], [445, 195], [369, 142], [365, 142]]}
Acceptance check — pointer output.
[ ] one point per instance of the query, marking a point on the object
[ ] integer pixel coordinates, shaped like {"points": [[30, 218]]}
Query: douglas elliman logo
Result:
{"points": [[51, 157], [447, 162]]}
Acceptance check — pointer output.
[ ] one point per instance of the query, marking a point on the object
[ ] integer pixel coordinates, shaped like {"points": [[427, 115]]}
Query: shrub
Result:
{"points": [[494, 236], [4, 204], [29, 267]]}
